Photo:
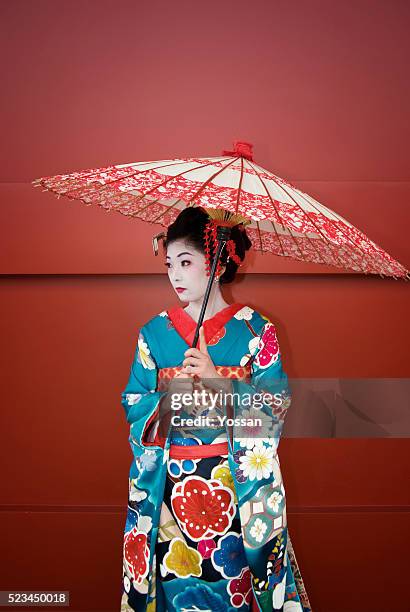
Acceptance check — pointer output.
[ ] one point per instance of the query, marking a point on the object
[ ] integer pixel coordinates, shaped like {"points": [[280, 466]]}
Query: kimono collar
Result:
{"points": [[185, 325]]}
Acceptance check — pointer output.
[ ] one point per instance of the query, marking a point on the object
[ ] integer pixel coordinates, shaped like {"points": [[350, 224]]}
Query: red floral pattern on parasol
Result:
{"points": [[281, 218]]}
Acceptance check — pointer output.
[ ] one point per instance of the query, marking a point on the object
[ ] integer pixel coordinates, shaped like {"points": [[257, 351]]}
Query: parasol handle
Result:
{"points": [[223, 234]]}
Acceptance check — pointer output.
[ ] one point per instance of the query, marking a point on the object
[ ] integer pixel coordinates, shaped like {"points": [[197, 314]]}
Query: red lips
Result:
{"points": [[180, 289]]}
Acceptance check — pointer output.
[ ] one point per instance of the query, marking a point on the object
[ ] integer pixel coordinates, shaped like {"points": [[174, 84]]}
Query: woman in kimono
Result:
{"points": [[206, 528]]}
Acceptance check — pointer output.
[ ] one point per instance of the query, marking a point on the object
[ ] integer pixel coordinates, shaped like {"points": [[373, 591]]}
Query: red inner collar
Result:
{"points": [[186, 326]]}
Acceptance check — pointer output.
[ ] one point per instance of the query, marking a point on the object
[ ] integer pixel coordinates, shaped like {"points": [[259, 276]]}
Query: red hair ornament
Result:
{"points": [[210, 232]]}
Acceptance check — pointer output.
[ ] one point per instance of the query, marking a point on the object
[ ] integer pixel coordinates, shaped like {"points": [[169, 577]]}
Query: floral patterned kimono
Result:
{"points": [[206, 528]]}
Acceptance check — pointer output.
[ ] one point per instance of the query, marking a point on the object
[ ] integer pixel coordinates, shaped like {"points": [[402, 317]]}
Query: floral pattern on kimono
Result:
{"points": [[235, 336]]}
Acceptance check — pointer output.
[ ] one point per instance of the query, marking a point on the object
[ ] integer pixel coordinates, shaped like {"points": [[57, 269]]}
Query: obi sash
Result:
{"points": [[178, 451], [165, 374]]}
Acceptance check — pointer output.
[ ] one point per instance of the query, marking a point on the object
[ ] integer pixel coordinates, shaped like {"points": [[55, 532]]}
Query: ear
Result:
{"points": [[222, 270]]}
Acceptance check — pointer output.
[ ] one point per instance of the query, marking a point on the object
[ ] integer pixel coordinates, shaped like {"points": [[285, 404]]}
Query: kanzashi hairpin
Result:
{"points": [[230, 247], [155, 239], [210, 233]]}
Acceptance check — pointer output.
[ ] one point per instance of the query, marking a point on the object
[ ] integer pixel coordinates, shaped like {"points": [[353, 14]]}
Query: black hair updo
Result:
{"points": [[190, 225]]}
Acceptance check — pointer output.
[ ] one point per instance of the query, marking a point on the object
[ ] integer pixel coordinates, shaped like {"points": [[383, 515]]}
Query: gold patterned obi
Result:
{"points": [[166, 374]]}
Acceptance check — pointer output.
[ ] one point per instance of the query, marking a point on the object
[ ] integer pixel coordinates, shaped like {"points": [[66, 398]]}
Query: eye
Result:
{"points": [[168, 265]]}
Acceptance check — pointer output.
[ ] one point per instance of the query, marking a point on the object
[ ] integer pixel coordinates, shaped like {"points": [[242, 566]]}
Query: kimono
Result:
{"points": [[206, 526]]}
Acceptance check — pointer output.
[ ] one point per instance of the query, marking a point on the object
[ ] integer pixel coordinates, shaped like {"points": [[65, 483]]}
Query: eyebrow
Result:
{"points": [[179, 254]]}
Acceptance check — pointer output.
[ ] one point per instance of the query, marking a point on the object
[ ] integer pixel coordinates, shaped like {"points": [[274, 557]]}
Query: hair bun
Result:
{"points": [[190, 225]]}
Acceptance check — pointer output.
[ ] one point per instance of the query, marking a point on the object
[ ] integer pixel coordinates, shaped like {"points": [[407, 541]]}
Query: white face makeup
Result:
{"points": [[186, 269]]}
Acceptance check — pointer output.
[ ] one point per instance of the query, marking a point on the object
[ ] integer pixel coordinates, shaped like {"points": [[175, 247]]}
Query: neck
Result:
{"points": [[216, 303]]}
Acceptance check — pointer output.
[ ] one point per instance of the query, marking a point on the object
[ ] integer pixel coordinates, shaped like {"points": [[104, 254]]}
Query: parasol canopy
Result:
{"points": [[279, 218]]}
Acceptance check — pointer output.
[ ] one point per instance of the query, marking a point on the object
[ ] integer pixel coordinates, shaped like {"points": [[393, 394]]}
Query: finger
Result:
{"points": [[183, 374], [192, 352], [192, 361], [193, 369], [203, 347], [182, 371]]}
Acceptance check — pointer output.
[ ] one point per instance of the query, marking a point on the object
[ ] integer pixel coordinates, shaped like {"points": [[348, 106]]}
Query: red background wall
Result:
{"points": [[320, 90]]}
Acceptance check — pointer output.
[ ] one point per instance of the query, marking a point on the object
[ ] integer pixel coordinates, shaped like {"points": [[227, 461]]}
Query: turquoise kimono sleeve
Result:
{"points": [[268, 391], [140, 399]]}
